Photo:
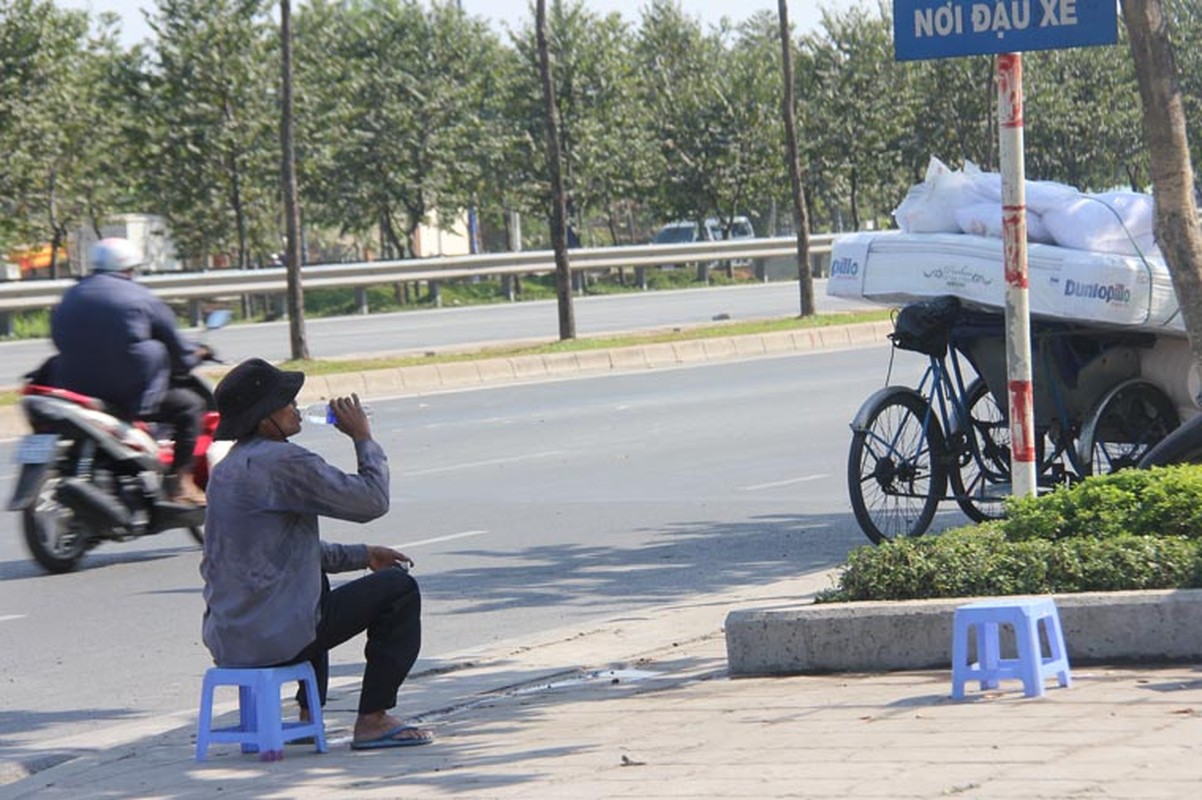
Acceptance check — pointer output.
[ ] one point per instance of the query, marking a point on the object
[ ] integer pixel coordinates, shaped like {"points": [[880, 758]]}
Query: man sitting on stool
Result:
{"points": [[268, 600]]}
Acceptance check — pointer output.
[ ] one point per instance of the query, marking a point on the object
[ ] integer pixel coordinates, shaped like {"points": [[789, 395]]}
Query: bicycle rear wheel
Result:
{"points": [[981, 481], [1128, 422], [896, 475]]}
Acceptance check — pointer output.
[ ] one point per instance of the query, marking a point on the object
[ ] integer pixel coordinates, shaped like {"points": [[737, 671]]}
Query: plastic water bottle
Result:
{"points": [[323, 414]]}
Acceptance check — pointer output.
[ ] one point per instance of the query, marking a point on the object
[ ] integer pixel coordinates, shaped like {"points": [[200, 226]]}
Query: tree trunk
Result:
{"points": [[559, 233], [1177, 230], [296, 296], [800, 221]]}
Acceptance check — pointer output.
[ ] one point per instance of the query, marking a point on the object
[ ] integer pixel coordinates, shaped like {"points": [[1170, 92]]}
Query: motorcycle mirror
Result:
{"points": [[218, 319]]}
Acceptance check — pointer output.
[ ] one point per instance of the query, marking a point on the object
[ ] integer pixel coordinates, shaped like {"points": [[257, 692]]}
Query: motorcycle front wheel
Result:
{"points": [[56, 538]]}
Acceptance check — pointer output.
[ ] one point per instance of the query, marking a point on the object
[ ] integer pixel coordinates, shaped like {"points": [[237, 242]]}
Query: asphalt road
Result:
{"points": [[527, 508], [432, 329]]}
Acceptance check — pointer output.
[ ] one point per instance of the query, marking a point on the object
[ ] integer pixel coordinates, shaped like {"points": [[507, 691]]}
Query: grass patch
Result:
{"points": [[751, 327]]}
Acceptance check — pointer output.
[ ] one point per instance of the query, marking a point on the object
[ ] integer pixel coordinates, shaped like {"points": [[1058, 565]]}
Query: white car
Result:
{"points": [[685, 231]]}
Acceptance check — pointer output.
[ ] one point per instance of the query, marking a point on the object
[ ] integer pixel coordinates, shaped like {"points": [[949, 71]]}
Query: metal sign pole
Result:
{"points": [[1014, 239]]}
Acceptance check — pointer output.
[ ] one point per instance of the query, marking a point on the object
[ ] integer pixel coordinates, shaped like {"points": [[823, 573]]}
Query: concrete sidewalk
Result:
{"points": [[643, 707]]}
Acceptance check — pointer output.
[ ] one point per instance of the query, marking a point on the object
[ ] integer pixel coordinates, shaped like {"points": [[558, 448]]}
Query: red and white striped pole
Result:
{"points": [[1014, 243]]}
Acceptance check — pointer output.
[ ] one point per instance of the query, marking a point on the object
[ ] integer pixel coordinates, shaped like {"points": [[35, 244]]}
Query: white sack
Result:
{"points": [[1041, 195], [1110, 222], [930, 207], [985, 219]]}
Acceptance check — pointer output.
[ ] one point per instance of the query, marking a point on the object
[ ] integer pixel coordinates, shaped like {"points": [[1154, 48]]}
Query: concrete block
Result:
{"points": [[422, 378], [720, 348], [1099, 627], [528, 367], [459, 373], [594, 361], [495, 370], [627, 358], [383, 382], [561, 363], [868, 333], [805, 340], [833, 337], [660, 355], [689, 352], [316, 387], [344, 383], [778, 342], [749, 345]]}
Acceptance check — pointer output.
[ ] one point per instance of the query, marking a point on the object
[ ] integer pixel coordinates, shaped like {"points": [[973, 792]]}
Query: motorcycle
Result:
{"points": [[87, 476]]}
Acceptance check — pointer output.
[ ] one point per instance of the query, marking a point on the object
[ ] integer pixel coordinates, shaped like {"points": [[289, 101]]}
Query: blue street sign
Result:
{"points": [[943, 28]]}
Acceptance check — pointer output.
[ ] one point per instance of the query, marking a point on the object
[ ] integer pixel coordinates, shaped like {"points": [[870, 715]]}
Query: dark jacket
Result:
{"points": [[118, 341]]}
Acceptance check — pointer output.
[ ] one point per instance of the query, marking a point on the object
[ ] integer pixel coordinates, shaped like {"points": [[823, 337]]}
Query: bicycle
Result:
{"points": [[1093, 414]]}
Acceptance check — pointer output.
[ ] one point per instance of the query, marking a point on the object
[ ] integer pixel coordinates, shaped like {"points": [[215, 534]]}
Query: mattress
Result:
{"points": [[1111, 289]]}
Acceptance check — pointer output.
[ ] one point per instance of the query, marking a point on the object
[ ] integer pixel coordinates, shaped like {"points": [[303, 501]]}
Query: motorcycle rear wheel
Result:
{"points": [[56, 538]]}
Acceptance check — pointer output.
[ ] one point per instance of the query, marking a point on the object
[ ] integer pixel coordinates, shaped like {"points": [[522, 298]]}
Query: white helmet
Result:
{"points": [[115, 255]]}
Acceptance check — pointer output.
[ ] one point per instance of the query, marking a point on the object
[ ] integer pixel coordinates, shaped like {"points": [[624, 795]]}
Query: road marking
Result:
{"points": [[788, 482], [438, 539], [11, 617], [488, 463]]}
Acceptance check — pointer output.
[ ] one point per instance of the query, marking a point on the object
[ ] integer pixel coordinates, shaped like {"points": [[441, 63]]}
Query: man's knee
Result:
{"points": [[399, 588]]}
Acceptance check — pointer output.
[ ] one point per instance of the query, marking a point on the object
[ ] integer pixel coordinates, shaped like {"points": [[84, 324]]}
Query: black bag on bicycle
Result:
{"points": [[925, 326]]}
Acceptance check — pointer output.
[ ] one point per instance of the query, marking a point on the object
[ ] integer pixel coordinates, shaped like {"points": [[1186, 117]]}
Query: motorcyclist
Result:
{"points": [[117, 341]]}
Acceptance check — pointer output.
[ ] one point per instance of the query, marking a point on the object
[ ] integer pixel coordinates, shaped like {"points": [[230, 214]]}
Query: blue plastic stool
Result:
{"points": [[261, 728], [1024, 615]]}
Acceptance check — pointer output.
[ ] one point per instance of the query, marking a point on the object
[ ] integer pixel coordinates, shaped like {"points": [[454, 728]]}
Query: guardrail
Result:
{"points": [[20, 295]]}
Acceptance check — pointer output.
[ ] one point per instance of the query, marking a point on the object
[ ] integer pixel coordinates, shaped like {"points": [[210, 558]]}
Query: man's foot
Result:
{"points": [[381, 729], [186, 491]]}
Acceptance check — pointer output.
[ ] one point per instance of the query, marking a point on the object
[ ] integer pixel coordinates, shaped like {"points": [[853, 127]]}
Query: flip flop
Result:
{"points": [[390, 739]]}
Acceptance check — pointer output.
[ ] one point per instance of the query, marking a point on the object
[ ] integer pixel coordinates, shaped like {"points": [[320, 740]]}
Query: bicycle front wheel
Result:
{"points": [[896, 474]]}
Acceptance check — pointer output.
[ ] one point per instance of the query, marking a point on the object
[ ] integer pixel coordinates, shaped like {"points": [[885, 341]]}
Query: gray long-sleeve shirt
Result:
{"points": [[263, 556]]}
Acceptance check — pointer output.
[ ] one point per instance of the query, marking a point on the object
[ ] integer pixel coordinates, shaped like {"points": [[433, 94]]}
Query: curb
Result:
{"points": [[1099, 627], [453, 375], [456, 375]]}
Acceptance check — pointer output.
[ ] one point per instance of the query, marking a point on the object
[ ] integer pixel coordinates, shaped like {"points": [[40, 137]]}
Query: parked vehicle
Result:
{"points": [[88, 476], [685, 231]]}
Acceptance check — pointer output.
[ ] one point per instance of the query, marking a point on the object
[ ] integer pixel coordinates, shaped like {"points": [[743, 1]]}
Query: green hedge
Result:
{"points": [[1136, 529]]}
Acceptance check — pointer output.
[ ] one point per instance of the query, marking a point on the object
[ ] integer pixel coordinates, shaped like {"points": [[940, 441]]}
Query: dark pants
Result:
{"points": [[182, 409], [388, 605]]}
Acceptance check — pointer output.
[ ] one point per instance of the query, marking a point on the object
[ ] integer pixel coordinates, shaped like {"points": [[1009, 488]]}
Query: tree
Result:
{"points": [[857, 127], [1177, 229], [210, 153], [391, 94], [59, 123], [789, 114], [602, 125], [559, 227], [678, 64], [296, 295], [1082, 107]]}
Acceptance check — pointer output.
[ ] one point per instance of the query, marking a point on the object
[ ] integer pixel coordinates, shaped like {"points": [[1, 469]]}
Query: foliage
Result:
{"points": [[387, 114], [854, 149], [1134, 529], [408, 111], [1165, 500], [209, 152], [1083, 118]]}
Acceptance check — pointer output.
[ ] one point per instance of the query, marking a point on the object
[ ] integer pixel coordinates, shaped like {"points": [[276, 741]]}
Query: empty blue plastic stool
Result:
{"points": [[1024, 615], [261, 727]]}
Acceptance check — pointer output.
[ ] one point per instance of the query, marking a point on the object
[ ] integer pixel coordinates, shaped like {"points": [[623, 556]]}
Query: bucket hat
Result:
{"points": [[250, 393]]}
